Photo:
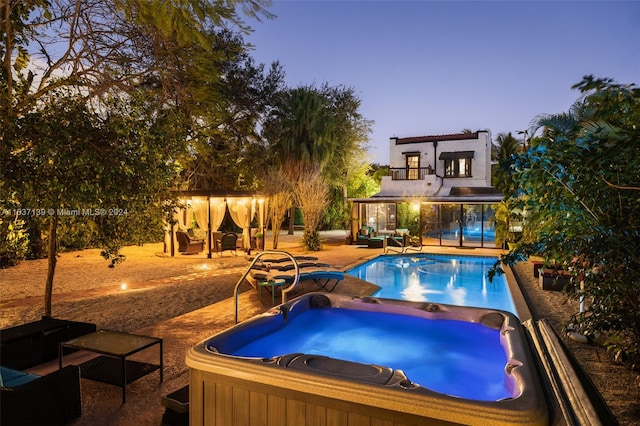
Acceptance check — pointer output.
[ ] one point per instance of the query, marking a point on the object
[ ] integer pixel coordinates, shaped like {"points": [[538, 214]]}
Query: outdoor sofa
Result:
{"points": [[27, 345], [29, 399]]}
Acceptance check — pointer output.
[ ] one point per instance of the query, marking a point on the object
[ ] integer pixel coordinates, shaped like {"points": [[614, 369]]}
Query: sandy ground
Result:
{"points": [[185, 299]]}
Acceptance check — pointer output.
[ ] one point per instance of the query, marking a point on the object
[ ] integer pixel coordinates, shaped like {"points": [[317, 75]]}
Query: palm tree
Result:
{"points": [[507, 146], [302, 133], [302, 136]]}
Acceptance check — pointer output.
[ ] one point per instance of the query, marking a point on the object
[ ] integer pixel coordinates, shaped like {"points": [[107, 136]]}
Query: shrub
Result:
{"points": [[14, 243]]}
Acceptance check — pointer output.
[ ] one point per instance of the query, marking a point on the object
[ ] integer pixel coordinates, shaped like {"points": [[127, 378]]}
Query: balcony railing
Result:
{"points": [[404, 173]]}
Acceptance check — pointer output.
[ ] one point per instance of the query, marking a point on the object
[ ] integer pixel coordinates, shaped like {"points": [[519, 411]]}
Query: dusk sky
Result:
{"points": [[435, 67]]}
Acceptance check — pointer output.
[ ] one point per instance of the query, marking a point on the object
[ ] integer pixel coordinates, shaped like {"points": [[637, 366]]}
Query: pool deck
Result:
{"points": [[101, 403]]}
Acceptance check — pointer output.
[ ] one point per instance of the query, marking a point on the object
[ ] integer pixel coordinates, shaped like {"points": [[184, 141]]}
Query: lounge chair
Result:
{"points": [[228, 242], [285, 259], [325, 278], [289, 266], [188, 245]]}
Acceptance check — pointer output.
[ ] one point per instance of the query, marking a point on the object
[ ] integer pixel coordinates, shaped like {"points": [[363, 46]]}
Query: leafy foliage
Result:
{"points": [[14, 242], [316, 136], [581, 183]]}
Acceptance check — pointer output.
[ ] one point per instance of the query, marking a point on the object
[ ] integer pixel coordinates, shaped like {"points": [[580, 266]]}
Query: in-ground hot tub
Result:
{"points": [[330, 359]]}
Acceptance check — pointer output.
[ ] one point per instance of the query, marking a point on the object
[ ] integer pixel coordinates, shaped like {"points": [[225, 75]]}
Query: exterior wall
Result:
{"points": [[430, 149], [427, 186]]}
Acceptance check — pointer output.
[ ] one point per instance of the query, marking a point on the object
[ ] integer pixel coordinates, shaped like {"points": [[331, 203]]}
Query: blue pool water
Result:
{"points": [[422, 277], [456, 358]]}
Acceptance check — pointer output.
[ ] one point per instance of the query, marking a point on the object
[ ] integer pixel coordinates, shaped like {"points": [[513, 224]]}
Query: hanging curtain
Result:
{"points": [[240, 211], [201, 210], [217, 207], [262, 209], [183, 217]]}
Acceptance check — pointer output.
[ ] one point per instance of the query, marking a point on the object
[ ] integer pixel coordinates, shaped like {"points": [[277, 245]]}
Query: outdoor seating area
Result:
{"points": [[372, 239], [170, 398], [29, 398]]}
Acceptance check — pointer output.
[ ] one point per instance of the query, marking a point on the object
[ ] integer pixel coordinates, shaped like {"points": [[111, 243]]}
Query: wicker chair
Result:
{"points": [[188, 245], [228, 242]]}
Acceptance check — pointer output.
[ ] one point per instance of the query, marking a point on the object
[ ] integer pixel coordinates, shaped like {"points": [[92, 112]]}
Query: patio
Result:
{"points": [[206, 307]]}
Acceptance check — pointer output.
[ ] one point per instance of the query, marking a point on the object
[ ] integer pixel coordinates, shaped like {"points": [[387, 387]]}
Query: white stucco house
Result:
{"points": [[438, 187]]}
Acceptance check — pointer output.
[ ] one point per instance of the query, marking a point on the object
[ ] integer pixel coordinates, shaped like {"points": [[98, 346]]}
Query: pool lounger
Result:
{"points": [[325, 278], [286, 259], [288, 266]]}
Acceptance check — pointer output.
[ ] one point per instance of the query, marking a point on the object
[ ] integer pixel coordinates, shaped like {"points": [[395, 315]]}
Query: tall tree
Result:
{"points": [[581, 183], [317, 131], [109, 170], [301, 135], [507, 146], [97, 46], [349, 157], [278, 190], [227, 135], [58, 54]]}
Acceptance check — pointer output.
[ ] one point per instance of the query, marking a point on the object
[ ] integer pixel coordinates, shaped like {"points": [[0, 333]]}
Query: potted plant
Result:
{"points": [[507, 229], [259, 241]]}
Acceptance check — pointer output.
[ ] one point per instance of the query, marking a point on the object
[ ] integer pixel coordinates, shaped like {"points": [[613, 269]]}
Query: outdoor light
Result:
{"points": [[123, 286]]}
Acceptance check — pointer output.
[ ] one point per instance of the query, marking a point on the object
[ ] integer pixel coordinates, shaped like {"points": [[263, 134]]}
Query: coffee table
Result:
{"points": [[113, 367]]}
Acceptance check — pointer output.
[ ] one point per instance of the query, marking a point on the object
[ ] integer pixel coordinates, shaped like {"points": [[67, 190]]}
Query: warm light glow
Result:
{"points": [[416, 207], [204, 267], [123, 286]]}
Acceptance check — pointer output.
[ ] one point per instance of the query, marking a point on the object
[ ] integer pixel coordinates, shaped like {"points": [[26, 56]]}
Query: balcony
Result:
{"points": [[404, 173]]}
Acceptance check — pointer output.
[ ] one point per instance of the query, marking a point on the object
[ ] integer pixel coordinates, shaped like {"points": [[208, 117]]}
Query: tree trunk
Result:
{"points": [[292, 215], [51, 256]]}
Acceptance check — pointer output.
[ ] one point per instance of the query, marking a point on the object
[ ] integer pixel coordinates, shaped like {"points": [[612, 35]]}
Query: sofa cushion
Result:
{"points": [[11, 378]]}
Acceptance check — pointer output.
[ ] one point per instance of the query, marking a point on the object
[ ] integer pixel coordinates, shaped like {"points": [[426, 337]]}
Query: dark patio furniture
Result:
{"points": [[554, 279], [53, 399], [364, 234], [27, 345], [228, 242], [376, 242], [113, 367], [188, 245]]}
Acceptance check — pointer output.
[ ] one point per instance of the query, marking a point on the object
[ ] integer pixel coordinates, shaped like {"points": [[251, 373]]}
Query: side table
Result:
{"points": [[113, 367], [270, 283]]}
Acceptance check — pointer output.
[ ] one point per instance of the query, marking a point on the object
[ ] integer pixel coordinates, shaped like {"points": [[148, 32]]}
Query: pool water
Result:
{"points": [[455, 280], [456, 358]]}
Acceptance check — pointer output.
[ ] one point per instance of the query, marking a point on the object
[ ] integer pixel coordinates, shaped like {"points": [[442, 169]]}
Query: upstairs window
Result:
{"points": [[457, 164]]}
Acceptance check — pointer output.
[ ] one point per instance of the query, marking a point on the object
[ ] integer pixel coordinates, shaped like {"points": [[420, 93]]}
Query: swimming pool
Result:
{"points": [[424, 277]]}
